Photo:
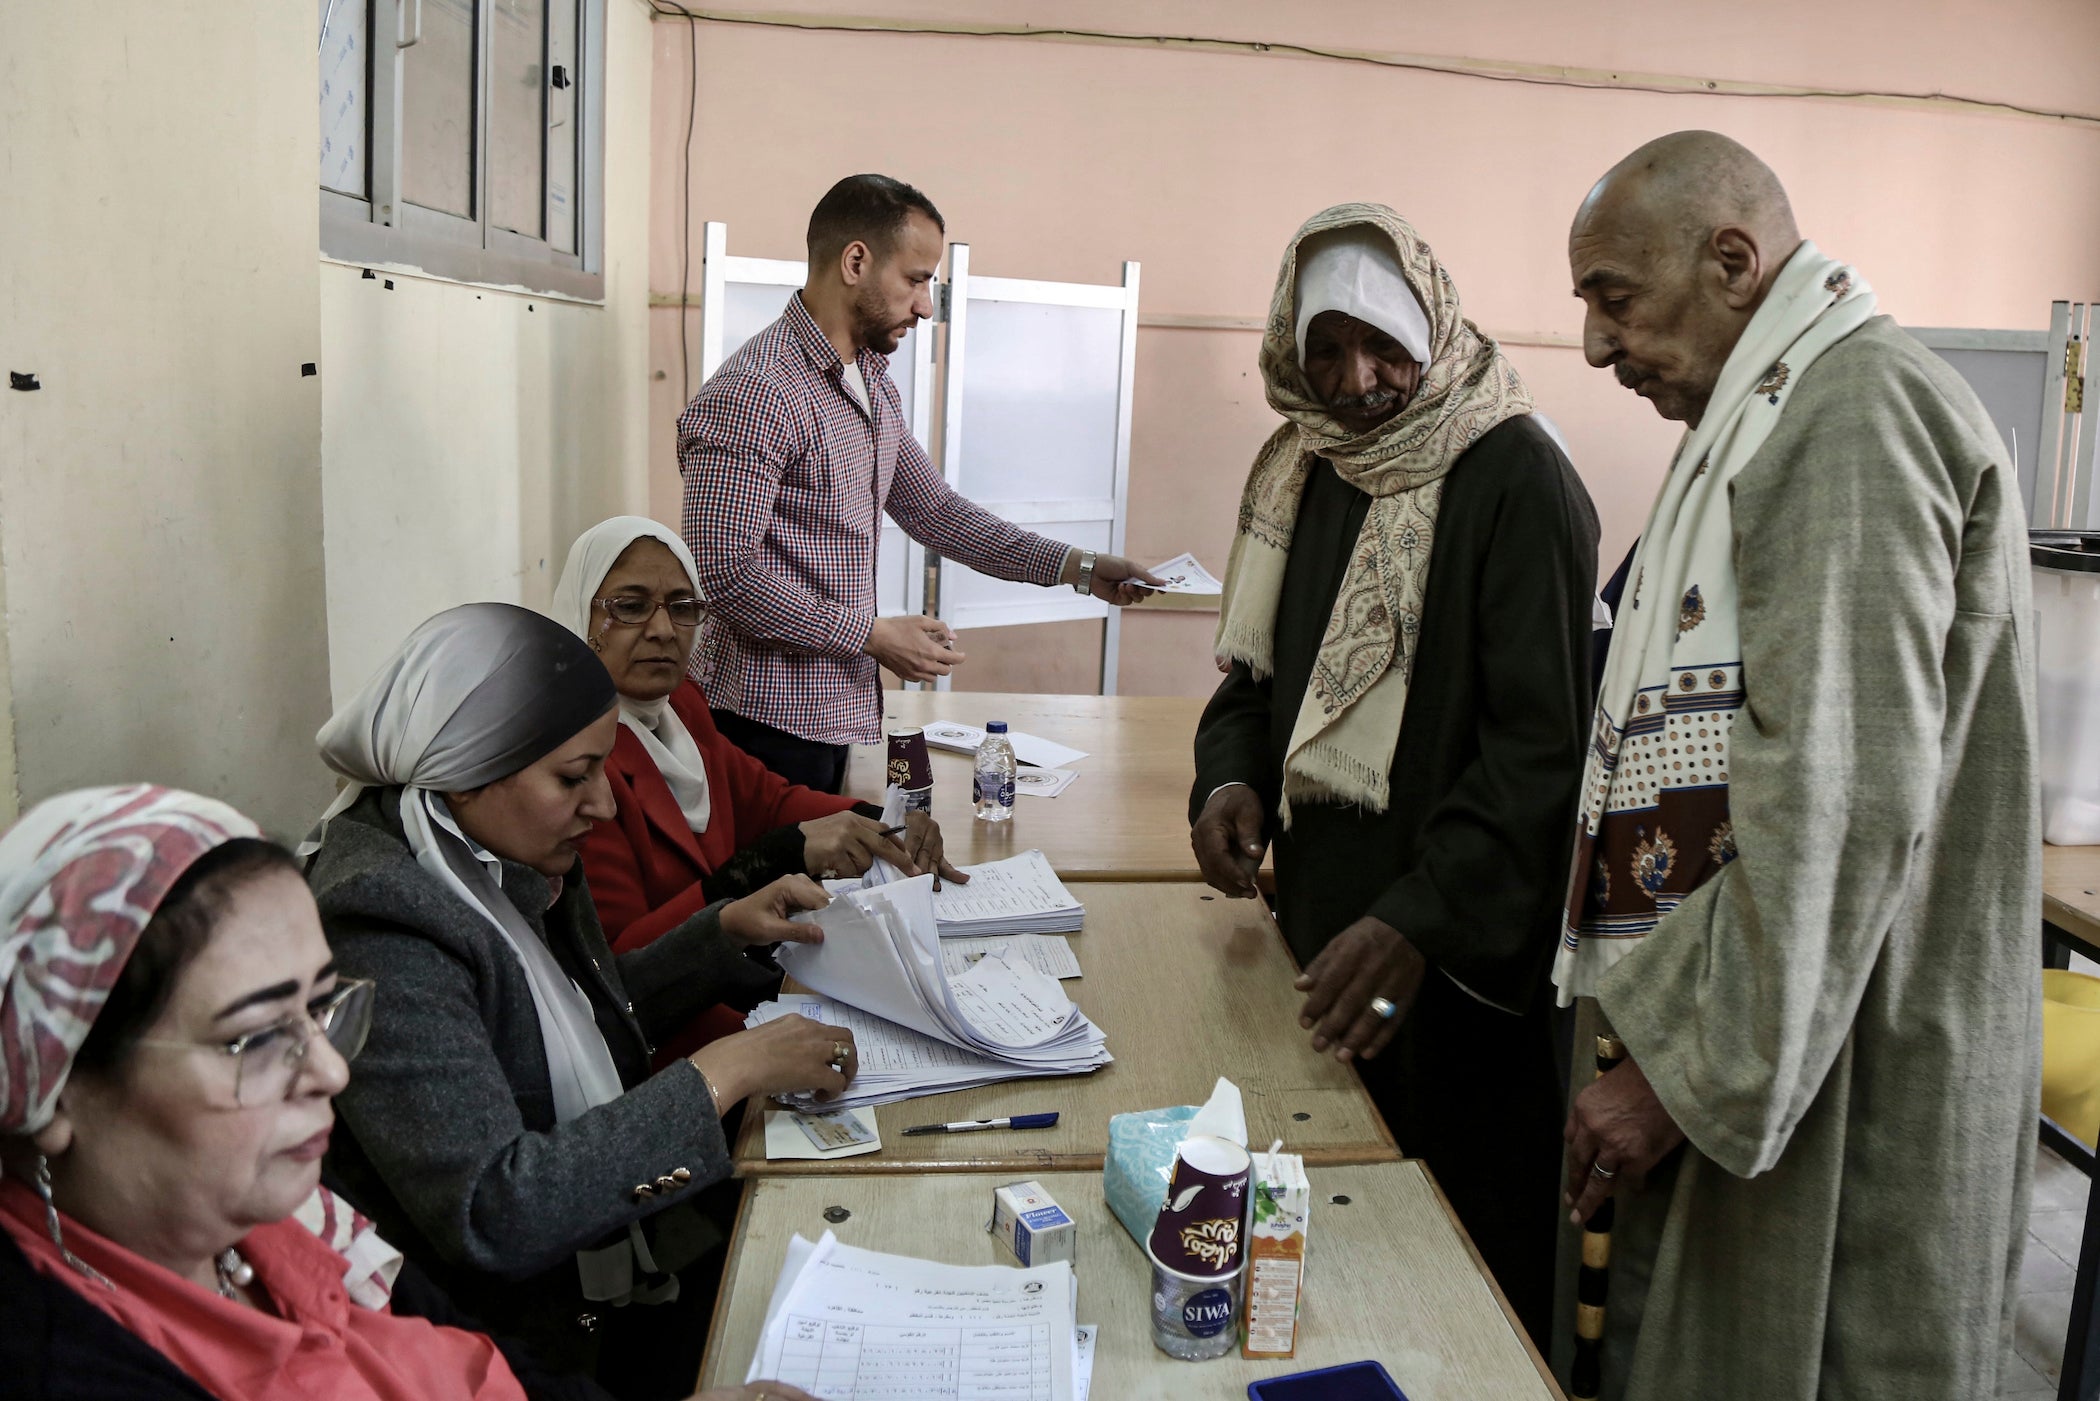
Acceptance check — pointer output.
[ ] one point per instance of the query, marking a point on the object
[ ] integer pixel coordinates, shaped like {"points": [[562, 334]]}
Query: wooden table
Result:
{"points": [[1390, 1275], [1124, 818], [1187, 986], [2071, 921]]}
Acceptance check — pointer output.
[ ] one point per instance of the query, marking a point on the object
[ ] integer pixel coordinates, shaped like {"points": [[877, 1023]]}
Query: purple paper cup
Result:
{"points": [[1201, 1228], [909, 768]]}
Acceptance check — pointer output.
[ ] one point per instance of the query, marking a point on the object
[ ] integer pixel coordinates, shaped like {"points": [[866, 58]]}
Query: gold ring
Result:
{"points": [[841, 1050]]}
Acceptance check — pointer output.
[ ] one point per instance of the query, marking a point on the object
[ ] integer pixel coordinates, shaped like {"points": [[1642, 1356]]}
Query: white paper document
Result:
{"points": [[1048, 954], [1043, 783], [1019, 895], [1184, 575], [919, 1028], [1028, 749], [847, 1324], [1083, 1370]]}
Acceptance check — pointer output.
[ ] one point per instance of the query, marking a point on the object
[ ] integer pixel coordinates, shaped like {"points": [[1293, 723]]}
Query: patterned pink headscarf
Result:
{"points": [[80, 876]]}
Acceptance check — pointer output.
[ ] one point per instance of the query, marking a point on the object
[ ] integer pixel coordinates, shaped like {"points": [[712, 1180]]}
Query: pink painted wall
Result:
{"points": [[1061, 159]]}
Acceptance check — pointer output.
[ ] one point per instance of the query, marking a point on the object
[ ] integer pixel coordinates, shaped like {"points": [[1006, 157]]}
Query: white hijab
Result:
{"points": [[1353, 271], [663, 735], [472, 696]]}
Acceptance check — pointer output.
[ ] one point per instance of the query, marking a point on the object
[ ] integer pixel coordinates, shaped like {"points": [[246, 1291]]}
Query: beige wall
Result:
{"points": [[160, 497], [1060, 159], [469, 434]]}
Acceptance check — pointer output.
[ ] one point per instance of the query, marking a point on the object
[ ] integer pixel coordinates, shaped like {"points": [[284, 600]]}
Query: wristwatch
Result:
{"points": [[1084, 584]]}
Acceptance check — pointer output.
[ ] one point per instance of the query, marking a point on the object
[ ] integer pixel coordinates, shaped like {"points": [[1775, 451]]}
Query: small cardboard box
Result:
{"points": [[1032, 1225], [1279, 1213]]}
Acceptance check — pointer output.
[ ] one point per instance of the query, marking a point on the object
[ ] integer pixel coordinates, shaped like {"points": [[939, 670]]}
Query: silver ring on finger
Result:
{"points": [[1603, 1173], [837, 1068], [1384, 1007]]}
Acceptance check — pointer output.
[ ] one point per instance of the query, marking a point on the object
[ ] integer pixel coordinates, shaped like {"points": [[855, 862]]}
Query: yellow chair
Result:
{"points": [[2071, 1052]]}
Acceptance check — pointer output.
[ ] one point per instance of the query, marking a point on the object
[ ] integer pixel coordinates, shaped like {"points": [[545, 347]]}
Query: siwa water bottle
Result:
{"points": [[993, 790]]}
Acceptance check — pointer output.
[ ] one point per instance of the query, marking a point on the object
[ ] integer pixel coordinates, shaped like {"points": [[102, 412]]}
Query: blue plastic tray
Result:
{"points": [[1352, 1381]]}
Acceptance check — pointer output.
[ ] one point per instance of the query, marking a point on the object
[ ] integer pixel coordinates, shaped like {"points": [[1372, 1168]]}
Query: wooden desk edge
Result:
{"points": [[732, 1252], [1487, 1276], [1031, 1160]]}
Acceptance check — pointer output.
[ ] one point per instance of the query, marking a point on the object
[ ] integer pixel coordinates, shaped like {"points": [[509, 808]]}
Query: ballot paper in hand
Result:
{"points": [[857, 1325], [1184, 575], [882, 956]]}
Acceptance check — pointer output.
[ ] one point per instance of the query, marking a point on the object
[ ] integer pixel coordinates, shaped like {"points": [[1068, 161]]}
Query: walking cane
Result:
{"points": [[1586, 1375]]}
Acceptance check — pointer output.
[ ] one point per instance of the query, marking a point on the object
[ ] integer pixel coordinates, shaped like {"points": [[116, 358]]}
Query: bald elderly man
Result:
{"points": [[1806, 885], [1407, 614]]}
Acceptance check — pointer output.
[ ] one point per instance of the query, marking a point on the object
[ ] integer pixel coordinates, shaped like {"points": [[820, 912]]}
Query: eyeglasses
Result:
{"points": [[632, 610], [267, 1061]]}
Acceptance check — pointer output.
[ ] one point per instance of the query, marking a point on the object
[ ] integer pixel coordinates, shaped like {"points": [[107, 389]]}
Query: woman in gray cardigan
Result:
{"points": [[504, 1127]]}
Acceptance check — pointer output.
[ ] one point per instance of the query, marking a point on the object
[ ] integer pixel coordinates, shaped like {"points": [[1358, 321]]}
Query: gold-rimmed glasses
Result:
{"points": [[267, 1060]]}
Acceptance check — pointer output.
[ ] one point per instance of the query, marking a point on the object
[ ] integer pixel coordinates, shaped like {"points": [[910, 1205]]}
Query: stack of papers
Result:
{"points": [[920, 1030], [1020, 895], [1028, 749], [856, 1325]]}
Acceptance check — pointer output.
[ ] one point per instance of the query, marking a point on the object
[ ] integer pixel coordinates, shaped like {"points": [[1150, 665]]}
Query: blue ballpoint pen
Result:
{"points": [[1018, 1121]]}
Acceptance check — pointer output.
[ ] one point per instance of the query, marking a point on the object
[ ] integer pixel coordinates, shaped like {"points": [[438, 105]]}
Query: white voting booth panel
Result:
{"points": [[1036, 428], [741, 297]]}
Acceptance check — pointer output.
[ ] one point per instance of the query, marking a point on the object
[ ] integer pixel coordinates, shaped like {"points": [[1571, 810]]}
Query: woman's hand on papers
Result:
{"points": [[1229, 841], [1617, 1132], [762, 916], [1368, 960], [922, 839], [755, 1391], [846, 844], [784, 1056]]}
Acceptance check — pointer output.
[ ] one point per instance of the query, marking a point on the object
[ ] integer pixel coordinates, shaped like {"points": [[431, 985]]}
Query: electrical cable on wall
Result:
{"points": [[685, 191], [1457, 68], [1602, 81]]}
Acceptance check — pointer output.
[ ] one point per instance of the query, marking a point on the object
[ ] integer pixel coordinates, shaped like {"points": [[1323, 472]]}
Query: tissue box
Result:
{"points": [[1032, 1225], [1280, 1210]]}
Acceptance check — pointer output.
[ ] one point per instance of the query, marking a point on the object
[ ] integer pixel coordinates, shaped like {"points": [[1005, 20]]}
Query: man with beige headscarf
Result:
{"points": [[1407, 617]]}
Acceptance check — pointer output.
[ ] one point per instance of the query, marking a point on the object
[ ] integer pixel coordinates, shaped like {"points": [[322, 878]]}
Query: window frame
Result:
{"points": [[383, 227]]}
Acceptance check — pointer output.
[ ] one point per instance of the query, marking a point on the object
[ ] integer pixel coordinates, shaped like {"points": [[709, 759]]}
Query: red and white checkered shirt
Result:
{"points": [[786, 481]]}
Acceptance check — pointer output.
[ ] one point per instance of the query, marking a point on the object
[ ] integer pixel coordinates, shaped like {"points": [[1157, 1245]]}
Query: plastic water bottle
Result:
{"points": [[993, 790]]}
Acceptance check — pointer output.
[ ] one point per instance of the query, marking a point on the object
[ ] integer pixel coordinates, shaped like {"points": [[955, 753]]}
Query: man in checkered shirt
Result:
{"points": [[791, 453]]}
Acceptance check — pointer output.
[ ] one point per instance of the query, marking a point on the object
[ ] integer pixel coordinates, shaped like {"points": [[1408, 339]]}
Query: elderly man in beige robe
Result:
{"points": [[1807, 881]]}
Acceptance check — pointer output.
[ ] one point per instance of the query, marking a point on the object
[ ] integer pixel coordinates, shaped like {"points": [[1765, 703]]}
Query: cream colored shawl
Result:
{"points": [[1341, 748]]}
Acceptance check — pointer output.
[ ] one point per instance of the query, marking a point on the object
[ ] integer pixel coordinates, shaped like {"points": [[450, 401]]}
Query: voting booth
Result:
{"points": [[1035, 382]]}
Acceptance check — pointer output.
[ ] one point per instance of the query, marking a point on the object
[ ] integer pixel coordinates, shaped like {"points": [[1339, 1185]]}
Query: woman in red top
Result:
{"points": [[699, 819], [176, 1030]]}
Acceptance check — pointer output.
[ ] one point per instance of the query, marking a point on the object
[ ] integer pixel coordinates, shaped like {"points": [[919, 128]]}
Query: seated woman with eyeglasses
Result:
{"points": [[504, 1128], [176, 1028], [698, 818]]}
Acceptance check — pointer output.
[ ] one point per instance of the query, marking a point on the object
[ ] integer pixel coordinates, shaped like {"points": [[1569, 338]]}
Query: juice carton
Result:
{"points": [[1279, 1213]]}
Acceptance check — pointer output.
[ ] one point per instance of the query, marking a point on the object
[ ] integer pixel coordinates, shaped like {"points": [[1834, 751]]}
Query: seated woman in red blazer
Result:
{"points": [[699, 819]]}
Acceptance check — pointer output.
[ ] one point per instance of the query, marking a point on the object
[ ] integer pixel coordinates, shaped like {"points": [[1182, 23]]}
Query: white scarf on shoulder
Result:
{"points": [[1676, 658], [664, 736]]}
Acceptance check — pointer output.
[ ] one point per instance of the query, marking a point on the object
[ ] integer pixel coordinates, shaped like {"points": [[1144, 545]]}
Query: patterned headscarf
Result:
{"points": [[1341, 749], [80, 878]]}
